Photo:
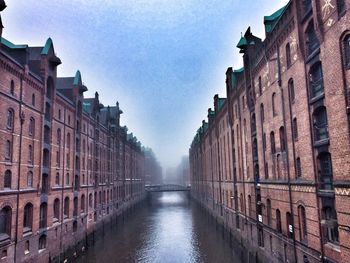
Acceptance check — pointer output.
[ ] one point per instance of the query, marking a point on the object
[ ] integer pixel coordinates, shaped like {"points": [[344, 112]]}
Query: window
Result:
{"points": [[260, 237], [42, 242], [30, 154], [272, 140], [312, 42], [341, 6], [68, 140], [282, 139], [260, 86], [30, 179], [58, 159], [302, 223], [26, 247], [75, 206], [320, 124], [12, 87], [324, 163], [43, 215], [274, 104], [47, 112], [66, 207], [307, 6], [278, 221], [346, 51], [57, 179], [8, 150], [249, 205], [33, 99], [288, 56], [291, 90], [295, 129], [59, 114], [316, 80], [82, 204], [262, 114], [28, 218], [59, 137], [90, 200], [330, 227], [289, 221], [268, 212], [68, 119], [75, 226], [298, 168], [67, 178], [5, 223], [56, 209], [7, 179], [266, 170], [31, 128], [10, 116]]}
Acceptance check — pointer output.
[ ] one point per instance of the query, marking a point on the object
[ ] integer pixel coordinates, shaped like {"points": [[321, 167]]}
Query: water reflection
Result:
{"points": [[168, 228]]}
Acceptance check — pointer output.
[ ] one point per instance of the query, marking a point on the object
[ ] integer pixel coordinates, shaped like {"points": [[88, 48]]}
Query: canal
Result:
{"points": [[168, 228]]}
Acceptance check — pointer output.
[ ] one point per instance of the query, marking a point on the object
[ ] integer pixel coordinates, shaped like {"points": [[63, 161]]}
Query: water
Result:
{"points": [[168, 228]]}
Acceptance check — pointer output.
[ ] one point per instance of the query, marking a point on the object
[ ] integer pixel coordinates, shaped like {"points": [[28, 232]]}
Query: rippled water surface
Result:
{"points": [[168, 228]]}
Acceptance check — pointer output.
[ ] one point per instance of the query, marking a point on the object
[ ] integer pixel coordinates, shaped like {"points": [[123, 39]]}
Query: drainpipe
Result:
{"points": [[287, 154], [21, 116]]}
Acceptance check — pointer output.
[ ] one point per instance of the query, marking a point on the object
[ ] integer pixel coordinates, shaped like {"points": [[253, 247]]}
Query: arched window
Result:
{"points": [[5, 223], [30, 179], [30, 154], [302, 223], [66, 208], [324, 164], [7, 179], [298, 167], [268, 212], [43, 215], [312, 42], [291, 90], [242, 203], [272, 140], [82, 204], [90, 200], [59, 137], [33, 99], [12, 87], [346, 51], [8, 150], [56, 210], [288, 56], [67, 178], [42, 242], [10, 118], [262, 113], [278, 221], [28, 218], [274, 112], [282, 139], [320, 124], [31, 128], [316, 80]]}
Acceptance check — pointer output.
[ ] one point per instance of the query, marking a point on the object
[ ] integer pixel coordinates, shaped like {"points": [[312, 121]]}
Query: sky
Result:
{"points": [[163, 60]]}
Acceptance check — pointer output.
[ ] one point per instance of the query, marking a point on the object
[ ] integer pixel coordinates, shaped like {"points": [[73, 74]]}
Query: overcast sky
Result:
{"points": [[163, 60]]}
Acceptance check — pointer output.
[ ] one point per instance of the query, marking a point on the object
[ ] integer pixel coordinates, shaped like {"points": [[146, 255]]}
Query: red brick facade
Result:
{"points": [[66, 165], [273, 161]]}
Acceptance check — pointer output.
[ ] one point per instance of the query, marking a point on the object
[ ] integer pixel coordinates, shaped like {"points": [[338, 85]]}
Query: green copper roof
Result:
{"points": [[271, 21], [11, 45], [86, 106], [235, 73], [77, 78], [221, 103], [47, 46], [242, 42]]}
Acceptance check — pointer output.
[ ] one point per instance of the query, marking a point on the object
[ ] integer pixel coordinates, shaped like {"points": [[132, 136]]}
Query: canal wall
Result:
{"points": [[71, 251]]}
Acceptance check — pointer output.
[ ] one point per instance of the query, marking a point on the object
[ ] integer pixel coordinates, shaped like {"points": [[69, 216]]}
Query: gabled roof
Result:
{"points": [[271, 20], [77, 78], [11, 45], [235, 75], [47, 46], [242, 42], [221, 103]]}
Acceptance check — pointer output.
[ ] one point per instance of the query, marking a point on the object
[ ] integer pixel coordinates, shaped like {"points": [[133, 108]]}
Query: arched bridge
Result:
{"points": [[167, 188]]}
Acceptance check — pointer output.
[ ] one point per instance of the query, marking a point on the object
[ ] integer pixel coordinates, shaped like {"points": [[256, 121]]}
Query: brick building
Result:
{"points": [[272, 162], [66, 165]]}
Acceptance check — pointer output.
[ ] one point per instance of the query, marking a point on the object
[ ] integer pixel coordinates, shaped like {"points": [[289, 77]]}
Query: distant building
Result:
{"points": [[272, 162], [153, 170]]}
